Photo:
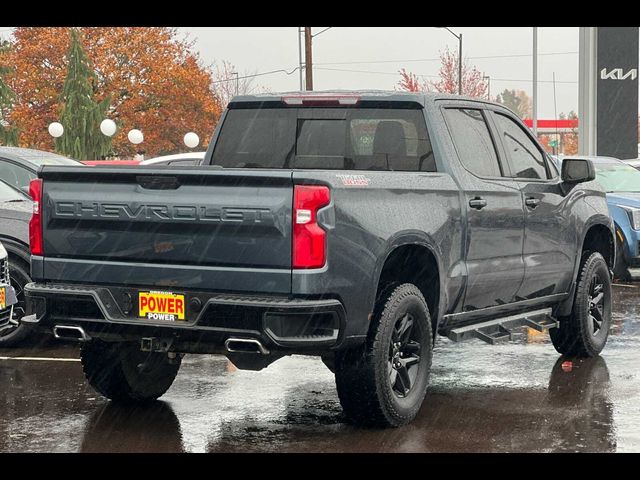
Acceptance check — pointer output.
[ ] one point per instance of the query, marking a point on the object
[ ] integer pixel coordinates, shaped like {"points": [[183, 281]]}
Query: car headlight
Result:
{"points": [[3, 252], [634, 216]]}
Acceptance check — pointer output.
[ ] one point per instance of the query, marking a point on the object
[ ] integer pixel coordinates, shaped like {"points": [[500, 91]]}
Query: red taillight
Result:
{"points": [[309, 239], [35, 224]]}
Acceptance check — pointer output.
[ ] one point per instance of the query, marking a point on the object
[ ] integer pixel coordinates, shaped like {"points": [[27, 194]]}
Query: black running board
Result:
{"points": [[502, 329]]}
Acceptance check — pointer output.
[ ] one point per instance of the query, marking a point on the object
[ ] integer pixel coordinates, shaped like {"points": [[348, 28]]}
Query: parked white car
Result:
{"points": [[179, 159]]}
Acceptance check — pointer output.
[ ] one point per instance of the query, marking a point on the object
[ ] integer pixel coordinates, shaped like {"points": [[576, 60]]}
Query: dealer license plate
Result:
{"points": [[166, 306]]}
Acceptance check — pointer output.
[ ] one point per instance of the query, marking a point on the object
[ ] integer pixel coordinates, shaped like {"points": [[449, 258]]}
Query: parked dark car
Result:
{"points": [[352, 226], [18, 166], [15, 212]]}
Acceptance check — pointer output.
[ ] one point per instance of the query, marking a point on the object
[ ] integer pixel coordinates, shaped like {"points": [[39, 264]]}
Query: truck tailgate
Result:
{"points": [[192, 221]]}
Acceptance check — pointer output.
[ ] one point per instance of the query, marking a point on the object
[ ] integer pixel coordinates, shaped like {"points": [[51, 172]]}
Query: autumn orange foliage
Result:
{"points": [[157, 84]]}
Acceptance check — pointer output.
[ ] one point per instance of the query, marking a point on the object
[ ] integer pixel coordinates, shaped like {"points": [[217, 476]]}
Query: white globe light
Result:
{"points": [[191, 140], [56, 129], [108, 127], [135, 136]]}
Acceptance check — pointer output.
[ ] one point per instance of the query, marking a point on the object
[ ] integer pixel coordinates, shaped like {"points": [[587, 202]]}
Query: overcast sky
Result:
{"points": [[370, 57]]}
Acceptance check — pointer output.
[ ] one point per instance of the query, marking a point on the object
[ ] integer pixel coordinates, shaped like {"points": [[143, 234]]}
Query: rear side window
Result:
{"points": [[319, 138], [255, 138], [473, 141], [527, 160]]}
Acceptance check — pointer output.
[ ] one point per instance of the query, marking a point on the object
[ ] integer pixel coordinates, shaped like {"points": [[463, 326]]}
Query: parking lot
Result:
{"points": [[519, 396]]}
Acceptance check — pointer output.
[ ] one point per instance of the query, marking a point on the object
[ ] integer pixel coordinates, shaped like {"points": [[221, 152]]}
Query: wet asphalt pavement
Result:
{"points": [[517, 397]]}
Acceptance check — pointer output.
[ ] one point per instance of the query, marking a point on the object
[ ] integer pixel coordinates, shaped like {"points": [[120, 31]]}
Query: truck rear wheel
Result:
{"points": [[584, 333], [121, 372], [384, 383]]}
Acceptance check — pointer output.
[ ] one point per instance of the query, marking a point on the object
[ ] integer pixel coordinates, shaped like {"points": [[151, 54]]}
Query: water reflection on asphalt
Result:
{"points": [[516, 397]]}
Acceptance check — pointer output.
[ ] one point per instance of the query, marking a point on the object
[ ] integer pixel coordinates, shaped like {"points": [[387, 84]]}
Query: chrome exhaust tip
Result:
{"points": [[245, 345], [70, 332]]}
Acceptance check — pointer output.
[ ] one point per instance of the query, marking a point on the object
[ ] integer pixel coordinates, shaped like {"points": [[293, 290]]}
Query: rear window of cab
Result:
{"points": [[384, 139]]}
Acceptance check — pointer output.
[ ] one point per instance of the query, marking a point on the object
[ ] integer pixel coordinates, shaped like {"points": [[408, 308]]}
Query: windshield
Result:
{"points": [[325, 138], [617, 177], [9, 194]]}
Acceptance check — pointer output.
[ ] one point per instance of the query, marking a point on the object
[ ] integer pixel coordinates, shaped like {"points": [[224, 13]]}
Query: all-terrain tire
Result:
{"points": [[370, 393], [577, 334], [123, 373]]}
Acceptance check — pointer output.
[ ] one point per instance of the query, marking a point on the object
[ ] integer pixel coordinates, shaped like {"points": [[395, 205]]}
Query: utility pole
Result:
{"points": [[535, 81], [460, 65], [300, 67], [237, 81], [308, 61]]}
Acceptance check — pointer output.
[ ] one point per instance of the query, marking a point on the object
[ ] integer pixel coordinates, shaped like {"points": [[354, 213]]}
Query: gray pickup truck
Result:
{"points": [[354, 226]]}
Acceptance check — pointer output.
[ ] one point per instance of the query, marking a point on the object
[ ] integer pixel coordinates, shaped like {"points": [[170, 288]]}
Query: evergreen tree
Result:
{"points": [[81, 113], [516, 100], [8, 134]]}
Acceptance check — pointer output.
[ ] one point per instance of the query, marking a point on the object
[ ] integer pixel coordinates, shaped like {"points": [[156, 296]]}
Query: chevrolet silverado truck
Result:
{"points": [[354, 226]]}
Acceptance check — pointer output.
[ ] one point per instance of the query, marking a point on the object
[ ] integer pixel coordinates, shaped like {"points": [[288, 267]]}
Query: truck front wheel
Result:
{"points": [[584, 333], [384, 383], [121, 372]]}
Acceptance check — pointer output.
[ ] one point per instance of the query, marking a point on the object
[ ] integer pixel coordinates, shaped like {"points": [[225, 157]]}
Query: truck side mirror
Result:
{"points": [[578, 170]]}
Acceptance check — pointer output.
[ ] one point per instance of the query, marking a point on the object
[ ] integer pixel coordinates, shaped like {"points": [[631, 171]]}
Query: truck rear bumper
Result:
{"points": [[282, 324]]}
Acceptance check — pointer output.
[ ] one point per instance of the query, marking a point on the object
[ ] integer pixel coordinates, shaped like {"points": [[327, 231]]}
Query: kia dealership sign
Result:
{"points": [[617, 92], [618, 74]]}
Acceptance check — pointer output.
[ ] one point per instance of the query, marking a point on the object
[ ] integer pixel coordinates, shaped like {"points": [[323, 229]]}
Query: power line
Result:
{"points": [[437, 76], [259, 75], [322, 31], [485, 57]]}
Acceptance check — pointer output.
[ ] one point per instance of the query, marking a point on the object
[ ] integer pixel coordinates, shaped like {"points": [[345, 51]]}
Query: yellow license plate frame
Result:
{"points": [[161, 306]]}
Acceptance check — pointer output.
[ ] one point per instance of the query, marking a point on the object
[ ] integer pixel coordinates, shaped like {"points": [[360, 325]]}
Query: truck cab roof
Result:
{"points": [[420, 98]]}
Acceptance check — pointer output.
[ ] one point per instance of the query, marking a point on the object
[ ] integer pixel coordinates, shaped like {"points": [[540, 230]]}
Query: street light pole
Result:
{"points": [[488, 79], [459, 37]]}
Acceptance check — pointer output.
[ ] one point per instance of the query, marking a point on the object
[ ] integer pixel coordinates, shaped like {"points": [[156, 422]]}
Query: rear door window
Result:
{"points": [[318, 138], [473, 141]]}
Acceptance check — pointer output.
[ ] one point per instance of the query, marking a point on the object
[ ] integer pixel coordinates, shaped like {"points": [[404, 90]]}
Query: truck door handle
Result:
{"points": [[477, 203], [532, 202]]}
